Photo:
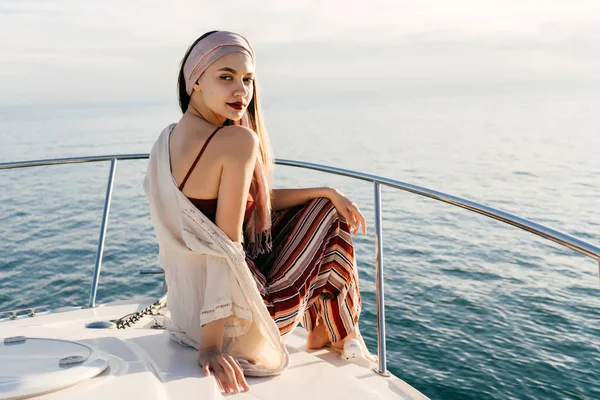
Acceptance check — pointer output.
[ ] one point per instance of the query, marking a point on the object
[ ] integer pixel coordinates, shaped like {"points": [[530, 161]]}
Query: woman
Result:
{"points": [[278, 258]]}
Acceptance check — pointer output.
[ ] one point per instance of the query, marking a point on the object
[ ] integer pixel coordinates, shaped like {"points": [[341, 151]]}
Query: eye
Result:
{"points": [[226, 77], [249, 80]]}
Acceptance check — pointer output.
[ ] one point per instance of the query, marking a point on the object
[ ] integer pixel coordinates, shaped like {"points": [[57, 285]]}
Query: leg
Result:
{"points": [[314, 273]]}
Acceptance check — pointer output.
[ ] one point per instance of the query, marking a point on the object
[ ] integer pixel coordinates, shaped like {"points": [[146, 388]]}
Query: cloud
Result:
{"points": [[132, 49]]}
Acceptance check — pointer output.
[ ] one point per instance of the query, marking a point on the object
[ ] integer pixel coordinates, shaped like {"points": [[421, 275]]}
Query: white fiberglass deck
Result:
{"points": [[144, 363]]}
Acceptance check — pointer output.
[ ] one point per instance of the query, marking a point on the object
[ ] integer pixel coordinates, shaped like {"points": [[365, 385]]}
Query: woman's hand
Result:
{"points": [[349, 210], [227, 370]]}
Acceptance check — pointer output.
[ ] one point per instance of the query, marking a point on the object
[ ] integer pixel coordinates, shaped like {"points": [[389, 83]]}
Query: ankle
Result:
{"points": [[352, 335]]}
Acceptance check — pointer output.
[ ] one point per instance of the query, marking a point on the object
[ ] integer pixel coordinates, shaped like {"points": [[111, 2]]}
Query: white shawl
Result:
{"points": [[207, 275]]}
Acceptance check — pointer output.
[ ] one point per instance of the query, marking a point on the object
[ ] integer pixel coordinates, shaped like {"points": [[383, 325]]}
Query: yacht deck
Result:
{"points": [[145, 363]]}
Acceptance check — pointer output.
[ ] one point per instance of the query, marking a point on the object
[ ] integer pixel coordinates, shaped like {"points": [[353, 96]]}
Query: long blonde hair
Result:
{"points": [[265, 150], [258, 226]]}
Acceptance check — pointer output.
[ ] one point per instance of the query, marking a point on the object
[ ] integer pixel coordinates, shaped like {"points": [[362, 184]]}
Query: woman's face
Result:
{"points": [[226, 87]]}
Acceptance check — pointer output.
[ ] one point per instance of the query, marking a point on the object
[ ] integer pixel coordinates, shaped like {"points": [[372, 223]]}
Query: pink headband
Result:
{"points": [[209, 50]]}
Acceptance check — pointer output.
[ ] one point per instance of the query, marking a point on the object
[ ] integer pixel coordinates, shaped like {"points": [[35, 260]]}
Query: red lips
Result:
{"points": [[236, 106]]}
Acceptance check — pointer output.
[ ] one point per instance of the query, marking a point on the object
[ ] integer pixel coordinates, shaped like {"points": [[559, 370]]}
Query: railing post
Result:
{"points": [[382, 368], [99, 253]]}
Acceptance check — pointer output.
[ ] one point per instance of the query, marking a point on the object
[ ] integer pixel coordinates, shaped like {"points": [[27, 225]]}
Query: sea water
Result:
{"points": [[475, 309]]}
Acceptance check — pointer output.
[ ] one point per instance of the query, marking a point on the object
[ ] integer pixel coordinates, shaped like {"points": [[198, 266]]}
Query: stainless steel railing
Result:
{"points": [[100, 251], [561, 238]]}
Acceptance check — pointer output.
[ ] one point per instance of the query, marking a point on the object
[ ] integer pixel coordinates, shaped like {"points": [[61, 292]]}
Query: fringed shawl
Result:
{"points": [[191, 243]]}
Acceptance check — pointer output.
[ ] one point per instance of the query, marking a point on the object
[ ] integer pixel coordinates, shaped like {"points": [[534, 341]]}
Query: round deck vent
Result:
{"points": [[32, 366]]}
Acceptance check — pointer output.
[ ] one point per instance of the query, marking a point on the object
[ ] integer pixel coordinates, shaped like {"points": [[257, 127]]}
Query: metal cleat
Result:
{"points": [[13, 314]]}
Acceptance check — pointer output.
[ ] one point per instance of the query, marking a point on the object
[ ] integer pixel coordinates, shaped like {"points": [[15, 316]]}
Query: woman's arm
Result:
{"points": [[284, 198], [227, 369], [236, 175], [212, 336]]}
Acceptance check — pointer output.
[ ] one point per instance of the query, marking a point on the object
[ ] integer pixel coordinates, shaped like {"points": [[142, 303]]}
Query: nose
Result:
{"points": [[241, 90]]}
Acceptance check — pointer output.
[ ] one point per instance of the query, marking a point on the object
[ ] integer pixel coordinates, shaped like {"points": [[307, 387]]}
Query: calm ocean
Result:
{"points": [[475, 309]]}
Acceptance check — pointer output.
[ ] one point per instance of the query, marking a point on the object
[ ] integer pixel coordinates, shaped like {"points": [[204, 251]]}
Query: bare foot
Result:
{"points": [[318, 338], [355, 334], [340, 345]]}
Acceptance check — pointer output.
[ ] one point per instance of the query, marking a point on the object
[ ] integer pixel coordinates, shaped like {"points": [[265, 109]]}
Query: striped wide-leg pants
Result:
{"points": [[310, 276]]}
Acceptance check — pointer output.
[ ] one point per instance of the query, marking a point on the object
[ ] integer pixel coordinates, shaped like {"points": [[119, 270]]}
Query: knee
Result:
{"points": [[326, 207], [325, 204]]}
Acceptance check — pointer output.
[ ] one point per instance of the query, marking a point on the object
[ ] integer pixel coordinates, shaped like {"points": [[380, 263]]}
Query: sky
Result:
{"points": [[54, 51]]}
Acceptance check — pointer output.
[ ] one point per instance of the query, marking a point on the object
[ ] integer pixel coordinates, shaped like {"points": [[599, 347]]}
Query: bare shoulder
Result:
{"points": [[237, 140]]}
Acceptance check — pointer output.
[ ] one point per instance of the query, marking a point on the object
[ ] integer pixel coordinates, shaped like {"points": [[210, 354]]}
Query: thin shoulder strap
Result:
{"points": [[197, 158]]}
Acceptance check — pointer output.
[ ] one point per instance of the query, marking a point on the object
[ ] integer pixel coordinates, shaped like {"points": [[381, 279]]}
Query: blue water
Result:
{"points": [[475, 309]]}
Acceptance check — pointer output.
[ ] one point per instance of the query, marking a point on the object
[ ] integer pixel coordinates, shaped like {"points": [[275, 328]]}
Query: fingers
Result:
{"points": [[206, 368], [351, 220], [239, 374], [363, 221], [227, 370], [221, 376], [356, 224], [229, 383], [356, 219], [233, 375], [221, 379]]}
